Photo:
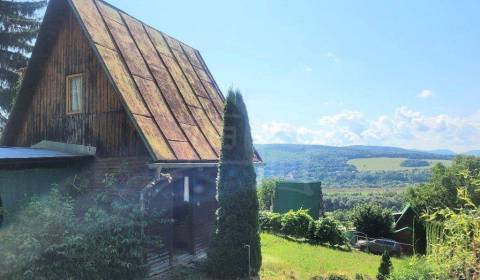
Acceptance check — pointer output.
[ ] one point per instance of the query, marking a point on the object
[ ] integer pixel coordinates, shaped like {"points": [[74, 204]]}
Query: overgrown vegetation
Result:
{"points": [[441, 191], [458, 249], [235, 248], [418, 269], [78, 234], [372, 220], [450, 203], [266, 193]]}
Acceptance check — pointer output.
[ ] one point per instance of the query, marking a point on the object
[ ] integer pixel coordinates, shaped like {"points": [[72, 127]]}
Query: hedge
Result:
{"points": [[299, 224]]}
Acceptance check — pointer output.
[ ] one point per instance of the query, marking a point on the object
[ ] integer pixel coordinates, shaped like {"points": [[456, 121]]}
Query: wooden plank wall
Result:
{"points": [[103, 123], [204, 206]]}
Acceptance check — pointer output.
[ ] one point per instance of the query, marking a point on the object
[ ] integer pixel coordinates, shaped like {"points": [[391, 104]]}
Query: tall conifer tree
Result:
{"points": [[19, 24], [235, 245]]}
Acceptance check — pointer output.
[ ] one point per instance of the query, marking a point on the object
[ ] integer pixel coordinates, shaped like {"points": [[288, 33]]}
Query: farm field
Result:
{"points": [[363, 190], [389, 164]]}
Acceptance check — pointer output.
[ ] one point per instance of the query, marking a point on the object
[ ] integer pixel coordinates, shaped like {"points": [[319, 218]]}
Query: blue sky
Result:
{"points": [[402, 73]]}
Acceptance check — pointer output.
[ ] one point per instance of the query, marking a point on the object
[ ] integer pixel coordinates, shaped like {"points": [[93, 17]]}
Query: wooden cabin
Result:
{"points": [[100, 80]]}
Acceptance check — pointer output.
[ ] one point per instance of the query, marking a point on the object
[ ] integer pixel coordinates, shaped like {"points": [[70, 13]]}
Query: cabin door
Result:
{"points": [[182, 215]]}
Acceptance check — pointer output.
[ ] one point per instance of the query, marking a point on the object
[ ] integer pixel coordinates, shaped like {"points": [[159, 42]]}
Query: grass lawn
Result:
{"points": [[389, 164], [284, 259]]}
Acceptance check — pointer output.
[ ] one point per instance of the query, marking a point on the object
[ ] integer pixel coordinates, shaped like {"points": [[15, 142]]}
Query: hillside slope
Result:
{"points": [[330, 164]]}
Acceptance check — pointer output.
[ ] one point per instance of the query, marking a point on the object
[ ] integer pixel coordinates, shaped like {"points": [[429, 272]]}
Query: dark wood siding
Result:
{"points": [[103, 122], [204, 206]]}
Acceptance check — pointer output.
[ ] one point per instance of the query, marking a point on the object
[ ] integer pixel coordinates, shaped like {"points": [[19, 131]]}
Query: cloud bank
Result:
{"points": [[403, 128]]}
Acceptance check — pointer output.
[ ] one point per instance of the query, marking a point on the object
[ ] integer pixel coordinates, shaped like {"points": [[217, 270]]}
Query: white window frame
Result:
{"points": [[79, 94]]}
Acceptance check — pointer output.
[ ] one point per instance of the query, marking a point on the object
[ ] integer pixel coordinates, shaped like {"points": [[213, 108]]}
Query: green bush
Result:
{"points": [[418, 269], [332, 276], [270, 221], [372, 220], [50, 239], [266, 193], [296, 223], [337, 277], [326, 230], [385, 267]]}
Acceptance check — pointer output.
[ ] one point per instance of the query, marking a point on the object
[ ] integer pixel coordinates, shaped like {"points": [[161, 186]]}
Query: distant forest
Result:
{"points": [[329, 165]]}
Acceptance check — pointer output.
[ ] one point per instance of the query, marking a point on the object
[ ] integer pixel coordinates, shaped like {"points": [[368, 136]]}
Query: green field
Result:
{"points": [[389, 164], [363, 190], [284, 259]]}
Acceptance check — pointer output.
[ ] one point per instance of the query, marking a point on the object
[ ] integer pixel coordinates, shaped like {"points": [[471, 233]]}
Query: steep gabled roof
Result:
{"points": [[164, 84]]}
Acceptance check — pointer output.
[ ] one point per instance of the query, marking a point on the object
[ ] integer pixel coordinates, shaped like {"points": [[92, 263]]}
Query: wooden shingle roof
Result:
{"points": [[164, 84]]}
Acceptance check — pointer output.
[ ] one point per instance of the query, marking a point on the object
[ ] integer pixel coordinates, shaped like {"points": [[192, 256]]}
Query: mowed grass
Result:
{"points": [[389, 164], [285, 259]]}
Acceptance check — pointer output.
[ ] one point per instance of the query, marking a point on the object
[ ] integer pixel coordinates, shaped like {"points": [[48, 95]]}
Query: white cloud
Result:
{"points": [[308, 69], [426, 93], [403, 127], [334, 57]]}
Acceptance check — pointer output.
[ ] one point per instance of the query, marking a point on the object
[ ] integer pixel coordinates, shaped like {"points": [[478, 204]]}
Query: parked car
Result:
{"points": [[378, 246]]}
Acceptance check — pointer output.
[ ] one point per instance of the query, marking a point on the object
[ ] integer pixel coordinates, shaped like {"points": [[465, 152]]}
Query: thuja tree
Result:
{"points": [[235, 245], [385, 267]]}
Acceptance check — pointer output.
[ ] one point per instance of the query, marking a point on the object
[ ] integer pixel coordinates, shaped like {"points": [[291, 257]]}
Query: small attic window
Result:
{"points": [[74, 94]]}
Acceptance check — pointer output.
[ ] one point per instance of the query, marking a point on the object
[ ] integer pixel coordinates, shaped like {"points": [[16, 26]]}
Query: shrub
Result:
{"points": [[458, 249], [266, 193], [385, 267], [332, 276], [50, 240], [264, 220], [296, 223], [418, 269], [270, 221], [326, 230], [276, 222], [337, 277], [372, 220]]}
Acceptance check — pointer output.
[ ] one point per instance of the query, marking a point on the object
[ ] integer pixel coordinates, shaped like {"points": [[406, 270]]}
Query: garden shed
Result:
{"points": [[121, 93]]}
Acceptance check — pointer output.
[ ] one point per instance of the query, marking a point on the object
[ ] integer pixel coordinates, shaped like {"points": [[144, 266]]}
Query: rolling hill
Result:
{"points": [[473, 153], [335, 168]]}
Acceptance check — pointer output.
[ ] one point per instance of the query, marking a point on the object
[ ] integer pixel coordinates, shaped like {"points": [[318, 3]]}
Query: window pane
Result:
{"points": [[76, 94], [186, 189]]}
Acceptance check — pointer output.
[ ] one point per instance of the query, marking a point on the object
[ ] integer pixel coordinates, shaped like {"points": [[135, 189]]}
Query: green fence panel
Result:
{"points": [[293, 196]]}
